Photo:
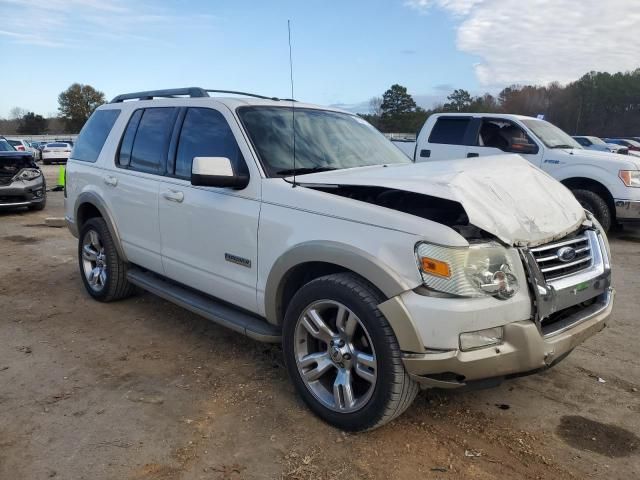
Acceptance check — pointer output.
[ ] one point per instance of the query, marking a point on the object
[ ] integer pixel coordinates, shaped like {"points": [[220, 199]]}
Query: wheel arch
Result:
{"points": [[595, 186], [89, 205], [311, 260]]}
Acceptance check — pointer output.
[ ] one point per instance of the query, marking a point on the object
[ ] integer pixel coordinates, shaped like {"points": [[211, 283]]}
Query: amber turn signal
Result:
{"points": [[435, 267]]}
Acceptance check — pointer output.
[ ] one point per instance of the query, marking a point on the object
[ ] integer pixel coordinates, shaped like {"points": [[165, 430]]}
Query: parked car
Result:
{"points": [[21, 181], [607, 185], [376, 273], [632, 145], [595, 143], [19, 145], [55, 152]]}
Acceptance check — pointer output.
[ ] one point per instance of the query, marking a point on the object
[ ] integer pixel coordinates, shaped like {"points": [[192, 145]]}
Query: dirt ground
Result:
{"points": [[141, 389]]}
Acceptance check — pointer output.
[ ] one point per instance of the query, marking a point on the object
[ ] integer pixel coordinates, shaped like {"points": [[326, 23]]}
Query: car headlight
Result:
{"points": [[476, 271], [631, 178], [27, 174]]}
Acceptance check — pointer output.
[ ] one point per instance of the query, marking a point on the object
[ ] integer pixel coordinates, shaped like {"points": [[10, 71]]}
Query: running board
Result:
{"points": [[221, 313]]}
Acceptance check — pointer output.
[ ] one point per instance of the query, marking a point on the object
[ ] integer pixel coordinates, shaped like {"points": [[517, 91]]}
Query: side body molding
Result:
{"points": [[95, 200], [343, 255]]}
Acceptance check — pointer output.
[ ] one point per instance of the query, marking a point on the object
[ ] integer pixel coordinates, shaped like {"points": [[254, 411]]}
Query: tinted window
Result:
{"points": [[151, 141], [93, 135], [5, 146], [67, 145], [14, 142], [582, 141], [205, 133], [449, 130], [124, 156]]}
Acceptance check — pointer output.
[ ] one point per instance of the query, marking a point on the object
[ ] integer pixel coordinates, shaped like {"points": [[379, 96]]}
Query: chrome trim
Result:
{"points": [[591, 312], [565, 265], [551, 246], [16, 204]]}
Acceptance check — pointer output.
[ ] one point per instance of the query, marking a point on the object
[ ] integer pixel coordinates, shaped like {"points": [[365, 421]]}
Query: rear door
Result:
{"points": [[210, 235], [447, 139], [133, 186]]}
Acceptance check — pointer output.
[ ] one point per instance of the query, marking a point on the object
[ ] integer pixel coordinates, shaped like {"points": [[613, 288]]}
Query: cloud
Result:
{"points": [[539, 41]]}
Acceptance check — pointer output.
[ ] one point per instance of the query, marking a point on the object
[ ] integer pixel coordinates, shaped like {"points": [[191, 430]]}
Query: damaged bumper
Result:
{"points": [[627, 210], [22, 193], [523, 350]]}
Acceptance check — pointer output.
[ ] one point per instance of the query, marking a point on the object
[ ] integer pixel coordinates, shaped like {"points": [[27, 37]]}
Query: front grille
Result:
{"points": [[553, 267], [12, 199]]}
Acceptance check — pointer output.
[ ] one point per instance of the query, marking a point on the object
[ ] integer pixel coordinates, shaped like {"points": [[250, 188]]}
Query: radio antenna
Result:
{"points": [[293, 104]]}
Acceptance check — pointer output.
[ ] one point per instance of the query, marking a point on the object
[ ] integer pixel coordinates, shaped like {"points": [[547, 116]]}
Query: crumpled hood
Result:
{"points": [[504, 194], [12, 162]]}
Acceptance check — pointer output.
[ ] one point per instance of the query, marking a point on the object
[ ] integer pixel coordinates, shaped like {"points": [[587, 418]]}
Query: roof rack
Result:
{"points": [[192, 92]]}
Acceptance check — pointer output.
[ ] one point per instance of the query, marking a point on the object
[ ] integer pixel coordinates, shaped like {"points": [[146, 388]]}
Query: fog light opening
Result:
{"points": [[481, 338]]}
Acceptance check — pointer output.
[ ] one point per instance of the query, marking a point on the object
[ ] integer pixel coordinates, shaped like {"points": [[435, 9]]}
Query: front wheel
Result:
{"points": [[342, 354], [595, 204]]}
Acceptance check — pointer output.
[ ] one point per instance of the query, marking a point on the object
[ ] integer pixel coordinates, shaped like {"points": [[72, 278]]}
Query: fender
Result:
{"points": [[95, 200], [343, 255]]}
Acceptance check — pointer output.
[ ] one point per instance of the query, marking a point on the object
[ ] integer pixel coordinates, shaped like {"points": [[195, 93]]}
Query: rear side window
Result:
{"points": [[93, 135], [149, 141], [206, 133], [449, 130]]}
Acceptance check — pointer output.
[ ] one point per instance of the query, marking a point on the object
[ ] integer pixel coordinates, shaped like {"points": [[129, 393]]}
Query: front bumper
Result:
{"points": [[22, 194], [523, 350], [627, 210]]}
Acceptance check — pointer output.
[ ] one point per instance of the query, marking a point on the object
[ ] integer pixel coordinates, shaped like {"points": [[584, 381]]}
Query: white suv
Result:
{"points": [[378, 275]]}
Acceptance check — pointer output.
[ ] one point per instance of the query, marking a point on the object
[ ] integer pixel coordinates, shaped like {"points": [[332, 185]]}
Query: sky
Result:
{"points": [[344, 51]]}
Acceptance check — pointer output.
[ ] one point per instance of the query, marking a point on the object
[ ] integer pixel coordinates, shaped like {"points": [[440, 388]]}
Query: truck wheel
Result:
{"points": [[103, 272], [343, 356], [595, 204]]}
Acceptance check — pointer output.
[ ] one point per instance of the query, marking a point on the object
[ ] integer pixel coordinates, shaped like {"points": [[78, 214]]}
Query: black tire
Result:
{"points": [[595, 204], [394, 390], [116, 286]]}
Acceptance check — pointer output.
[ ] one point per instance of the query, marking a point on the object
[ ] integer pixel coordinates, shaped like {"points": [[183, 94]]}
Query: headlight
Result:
{"points": [[477, 271], [27, 174], [631, 178]]}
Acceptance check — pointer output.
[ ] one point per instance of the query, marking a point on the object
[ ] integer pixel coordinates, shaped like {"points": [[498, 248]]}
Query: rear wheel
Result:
{"points": [[342, 355], [104, 273], [595, 204]]}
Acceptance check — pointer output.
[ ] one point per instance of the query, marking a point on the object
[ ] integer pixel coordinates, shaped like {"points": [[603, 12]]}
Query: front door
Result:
{"points": [[209, 235]]}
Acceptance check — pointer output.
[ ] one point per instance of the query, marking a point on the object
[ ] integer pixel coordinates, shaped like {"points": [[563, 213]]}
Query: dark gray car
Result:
{"points": [[22, 183]]}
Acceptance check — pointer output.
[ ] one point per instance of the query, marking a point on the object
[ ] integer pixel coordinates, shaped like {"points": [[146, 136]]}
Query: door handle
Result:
{"points": [[111, 180], [174, 196], [472, 154]]}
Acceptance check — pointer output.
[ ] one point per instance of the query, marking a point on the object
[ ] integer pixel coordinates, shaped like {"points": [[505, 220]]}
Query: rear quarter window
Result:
{"points": [[94, 134], [449, 130]]}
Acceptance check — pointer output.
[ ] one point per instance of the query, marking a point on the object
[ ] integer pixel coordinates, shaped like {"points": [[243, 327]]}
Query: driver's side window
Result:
{"points": [[503, 135]]}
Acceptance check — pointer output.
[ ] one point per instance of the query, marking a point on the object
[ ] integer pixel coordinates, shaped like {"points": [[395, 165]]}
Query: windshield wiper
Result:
{"points": [[563, 146], [304, 170]]}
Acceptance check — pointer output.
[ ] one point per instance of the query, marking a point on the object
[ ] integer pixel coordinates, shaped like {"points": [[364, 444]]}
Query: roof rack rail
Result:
{"points": [[192, 92]]}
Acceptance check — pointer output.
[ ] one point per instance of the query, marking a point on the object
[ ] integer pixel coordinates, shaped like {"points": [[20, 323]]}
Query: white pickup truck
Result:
{"points": [[375, 273], [606, 184]]}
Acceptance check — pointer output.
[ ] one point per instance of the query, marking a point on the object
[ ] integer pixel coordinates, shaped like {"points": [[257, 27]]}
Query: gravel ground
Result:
{"points": [[141, 389]]}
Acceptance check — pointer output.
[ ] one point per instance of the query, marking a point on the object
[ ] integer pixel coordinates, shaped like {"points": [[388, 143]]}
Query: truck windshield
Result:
{"points": [[551, 135], [324, 140]]}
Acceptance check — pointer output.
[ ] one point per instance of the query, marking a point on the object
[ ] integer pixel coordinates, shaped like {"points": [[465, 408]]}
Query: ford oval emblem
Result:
{"points": [[566, 254]]}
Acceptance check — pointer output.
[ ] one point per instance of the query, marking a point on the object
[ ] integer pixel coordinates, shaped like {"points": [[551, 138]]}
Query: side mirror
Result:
{"points": [[216, 172], [524, 148]]}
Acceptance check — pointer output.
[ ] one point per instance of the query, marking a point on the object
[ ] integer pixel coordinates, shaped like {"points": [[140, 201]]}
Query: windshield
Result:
{"points": [[551, 135], [324, 140], [597, 141], [6, 146]]}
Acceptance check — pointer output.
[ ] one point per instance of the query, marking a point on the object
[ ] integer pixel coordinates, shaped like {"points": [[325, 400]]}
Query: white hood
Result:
{"points": [[504, 195]]}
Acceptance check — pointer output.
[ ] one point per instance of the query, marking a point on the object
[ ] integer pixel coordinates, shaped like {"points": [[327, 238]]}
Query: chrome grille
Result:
{"points": [[553, 267]]}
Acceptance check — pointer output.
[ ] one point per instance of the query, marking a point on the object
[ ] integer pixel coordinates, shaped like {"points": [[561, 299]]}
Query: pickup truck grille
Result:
{"points": [[554, 265]]}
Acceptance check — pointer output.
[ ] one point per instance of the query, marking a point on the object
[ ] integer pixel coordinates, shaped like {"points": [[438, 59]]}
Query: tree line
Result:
{"points": [[75, 105], [599, 103]]}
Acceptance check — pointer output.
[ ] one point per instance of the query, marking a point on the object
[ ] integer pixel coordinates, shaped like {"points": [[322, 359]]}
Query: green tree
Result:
{"points": [[459, 101], [77, 103], [396, 101], [32, 124]]}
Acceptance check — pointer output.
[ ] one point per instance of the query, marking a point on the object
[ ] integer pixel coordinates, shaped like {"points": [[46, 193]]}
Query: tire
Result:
{"points": [[109, 281], [372, 340], [46, 162], [595, 204]]}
